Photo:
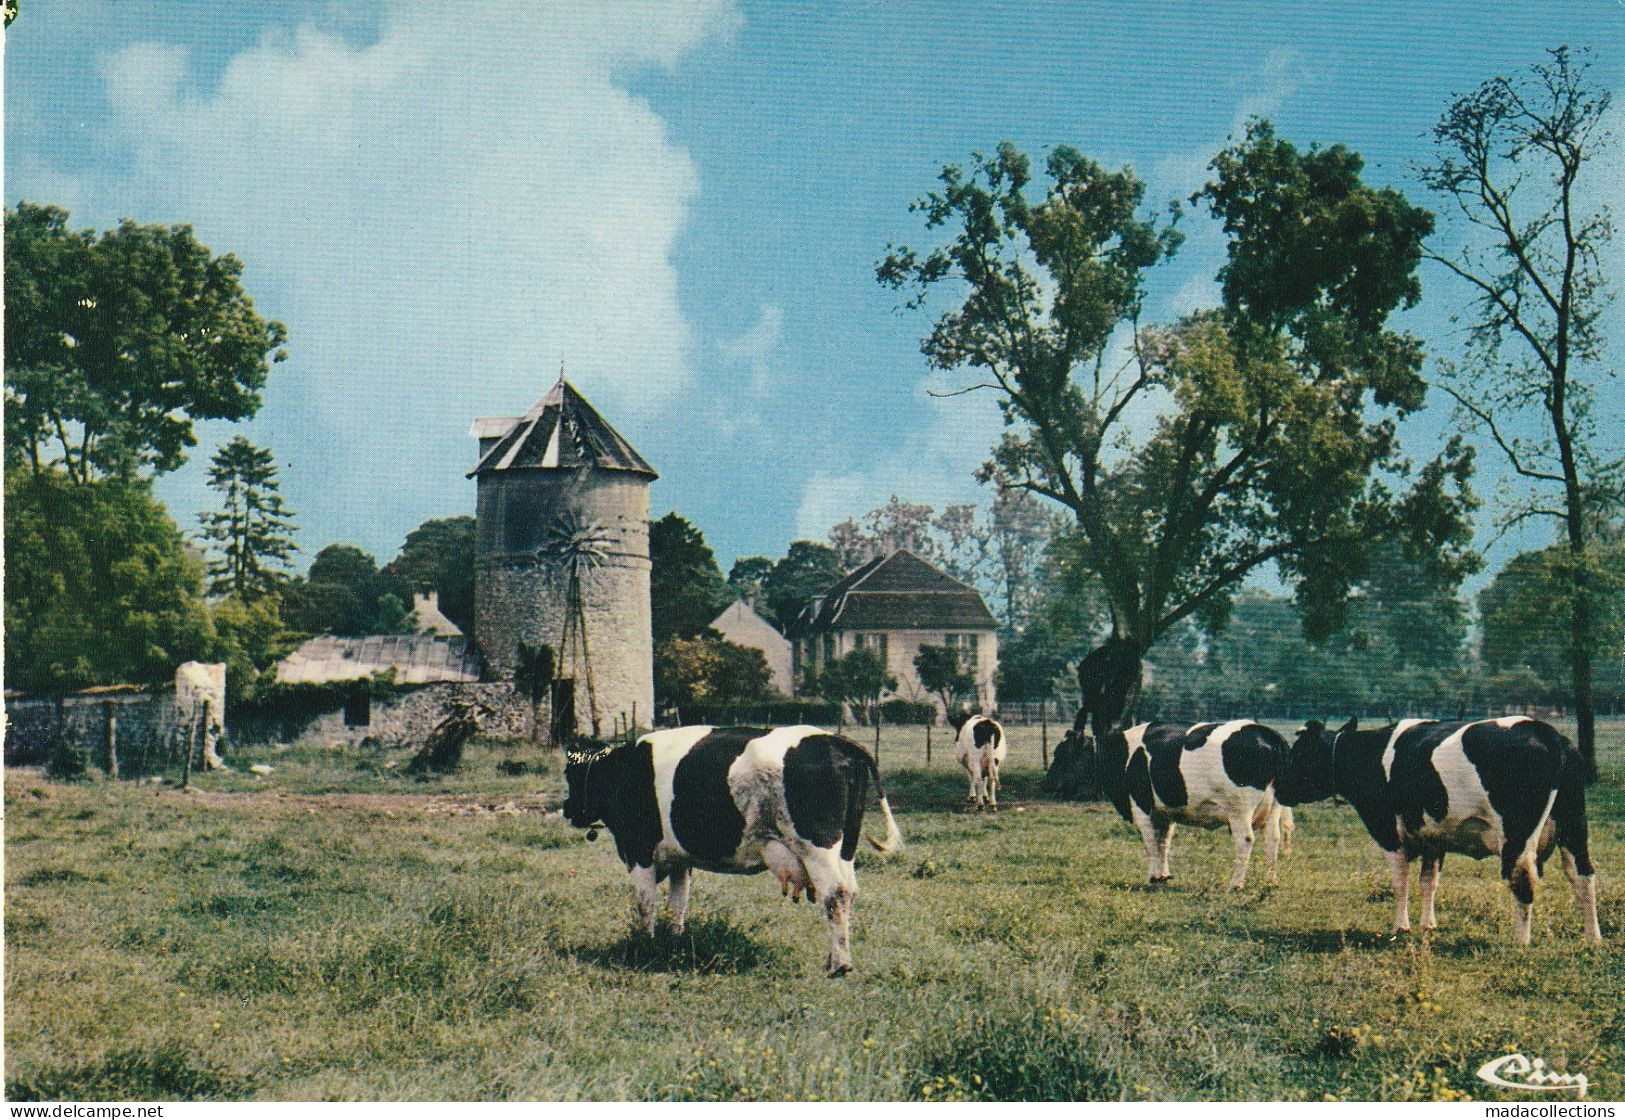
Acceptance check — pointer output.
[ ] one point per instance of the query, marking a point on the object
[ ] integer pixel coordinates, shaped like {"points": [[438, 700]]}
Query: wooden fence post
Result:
{"points": [[878, 722], [186, 763], [1043, 723], [928, 724], [110, 714]]}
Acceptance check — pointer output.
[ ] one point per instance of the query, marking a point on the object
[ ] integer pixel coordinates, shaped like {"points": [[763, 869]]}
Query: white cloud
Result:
{"points": [[933, 462], [758, 346], [442, 216]]}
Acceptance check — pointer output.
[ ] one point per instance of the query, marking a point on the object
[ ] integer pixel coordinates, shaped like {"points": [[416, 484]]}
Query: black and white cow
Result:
{"points": [[736, 800], [981, 750], [1158, 775], [1510, 787]]}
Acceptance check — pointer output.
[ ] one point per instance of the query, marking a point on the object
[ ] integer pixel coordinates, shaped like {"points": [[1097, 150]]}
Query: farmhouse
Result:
{"points": [[743, 626], [894, 605]]}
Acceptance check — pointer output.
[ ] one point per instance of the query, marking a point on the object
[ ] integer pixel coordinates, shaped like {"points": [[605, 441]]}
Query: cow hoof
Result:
{"points": [[839, 970]]}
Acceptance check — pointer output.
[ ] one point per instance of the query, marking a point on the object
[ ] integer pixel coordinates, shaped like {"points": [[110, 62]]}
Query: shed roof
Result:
{"points": [[416, 659], [561, 431], [896, 592]]}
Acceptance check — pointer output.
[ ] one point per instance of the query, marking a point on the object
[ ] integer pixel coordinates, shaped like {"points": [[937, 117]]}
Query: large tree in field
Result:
{"points": [[253, 530], [116, 342], [806, 570], [1272, 442], [1514, 158]]}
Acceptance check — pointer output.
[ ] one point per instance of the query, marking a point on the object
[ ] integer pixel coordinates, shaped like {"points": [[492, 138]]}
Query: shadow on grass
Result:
{"points": [[934, 790], [707, 946], [163, 1073]]}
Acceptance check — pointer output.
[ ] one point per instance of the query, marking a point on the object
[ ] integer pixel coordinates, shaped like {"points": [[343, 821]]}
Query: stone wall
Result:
{"points": [[144, 726], [407, 719]]}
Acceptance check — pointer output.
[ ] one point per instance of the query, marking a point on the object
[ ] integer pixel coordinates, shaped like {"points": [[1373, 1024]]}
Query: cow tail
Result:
{"points": [[894, 835]]}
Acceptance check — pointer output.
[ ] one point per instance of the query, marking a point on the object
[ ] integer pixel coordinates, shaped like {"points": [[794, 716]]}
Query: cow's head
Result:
{"points": [[1308, 775], [587, 781], [1072, 770]]}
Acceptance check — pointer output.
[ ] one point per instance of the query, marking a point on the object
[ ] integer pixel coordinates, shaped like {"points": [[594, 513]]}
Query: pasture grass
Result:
{"points": [[338, 930]]}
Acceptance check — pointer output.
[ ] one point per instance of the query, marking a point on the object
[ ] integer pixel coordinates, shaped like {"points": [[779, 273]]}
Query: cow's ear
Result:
{"points": [[1351, 726], [1313, 727]]}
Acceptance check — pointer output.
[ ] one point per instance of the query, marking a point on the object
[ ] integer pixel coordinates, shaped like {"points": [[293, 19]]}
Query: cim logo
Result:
{"points": [[1514, 1071]]}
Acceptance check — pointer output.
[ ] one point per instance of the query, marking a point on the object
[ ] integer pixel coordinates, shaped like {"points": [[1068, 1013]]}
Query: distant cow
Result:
{"points": [[1206, 774], [981, 749], [735, 800], [1510, 787]]}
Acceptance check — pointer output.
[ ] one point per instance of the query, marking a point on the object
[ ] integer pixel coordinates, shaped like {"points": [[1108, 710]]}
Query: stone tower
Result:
{"points": [[556, 483]]}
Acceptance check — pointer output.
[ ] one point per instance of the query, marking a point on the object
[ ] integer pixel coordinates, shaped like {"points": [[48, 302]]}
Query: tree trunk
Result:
{"points": [[1585, 701], [110, 712]]}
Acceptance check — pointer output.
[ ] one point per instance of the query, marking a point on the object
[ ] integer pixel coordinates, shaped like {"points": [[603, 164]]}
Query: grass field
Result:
{"points": [[335, 930]]}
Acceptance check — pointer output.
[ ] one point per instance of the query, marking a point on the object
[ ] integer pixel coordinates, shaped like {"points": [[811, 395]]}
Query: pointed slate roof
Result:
{"points": [[896, 592], [561, 431]]}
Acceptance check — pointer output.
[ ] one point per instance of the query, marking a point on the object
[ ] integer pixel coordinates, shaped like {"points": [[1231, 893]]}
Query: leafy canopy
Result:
{"points": [[100, 586], [1258, 448], [686, 588], [116, 342]]}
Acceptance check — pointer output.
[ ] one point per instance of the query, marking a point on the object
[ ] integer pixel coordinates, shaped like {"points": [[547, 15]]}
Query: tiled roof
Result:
{"points": [[416, 659], [896, 592], [561, 431]]}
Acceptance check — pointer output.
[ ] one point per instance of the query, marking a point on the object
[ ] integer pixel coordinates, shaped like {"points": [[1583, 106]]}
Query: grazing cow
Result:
{"points": [[1510, 787], [1206, 774], [981, 751], [735, 800]]}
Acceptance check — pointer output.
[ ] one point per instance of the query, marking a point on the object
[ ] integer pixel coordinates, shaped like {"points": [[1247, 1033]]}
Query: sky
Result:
{"points": [[681, 205]]}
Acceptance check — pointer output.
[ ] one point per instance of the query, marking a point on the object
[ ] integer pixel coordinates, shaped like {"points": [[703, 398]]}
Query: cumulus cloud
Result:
{"points": [[933, 462], [758, 346], [443, 215]]}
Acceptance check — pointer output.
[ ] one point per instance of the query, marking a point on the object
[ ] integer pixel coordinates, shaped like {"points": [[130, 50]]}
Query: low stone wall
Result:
{"points": [[407, 719], [143, 725]]}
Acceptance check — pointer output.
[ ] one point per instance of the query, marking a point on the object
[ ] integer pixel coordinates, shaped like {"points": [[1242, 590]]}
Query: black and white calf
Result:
{"points": [[1206, 774], [981, 750], [1511, 787], [735, 800]]}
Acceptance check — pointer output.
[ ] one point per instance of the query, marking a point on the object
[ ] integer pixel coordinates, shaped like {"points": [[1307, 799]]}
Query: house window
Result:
{"points": [[876, 642], [968, 646]]}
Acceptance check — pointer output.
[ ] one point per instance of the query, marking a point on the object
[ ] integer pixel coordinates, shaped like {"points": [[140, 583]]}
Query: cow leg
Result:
{"points": [[1399, 871], [1288, 826], [677, 893], [837, 887], [1272, 841], [1573, 840], [1585, 893], [1165, 843], [1241, 831], [1153, 850], [647, 886], [993, 784], [1428, 880]]}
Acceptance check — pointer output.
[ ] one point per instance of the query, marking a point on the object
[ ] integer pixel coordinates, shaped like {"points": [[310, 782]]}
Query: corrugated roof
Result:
{"points": [[416, 659], [561, 431], [896, 592]]}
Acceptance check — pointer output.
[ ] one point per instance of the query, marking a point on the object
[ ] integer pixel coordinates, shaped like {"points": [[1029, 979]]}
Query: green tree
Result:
{"points": [[858, 678], [808, 569], [1513, 158], [686, 588], [250, 638], [100, 586], [1524, 613], [710, 671], [1272, 448], [440, 554], [942, 674], [747, 579], [252, 530], [339, 595], [117, 342]]}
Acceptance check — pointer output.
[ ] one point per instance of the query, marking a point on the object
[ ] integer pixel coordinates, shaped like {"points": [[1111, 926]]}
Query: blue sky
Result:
{"points": [[681, 203]]}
